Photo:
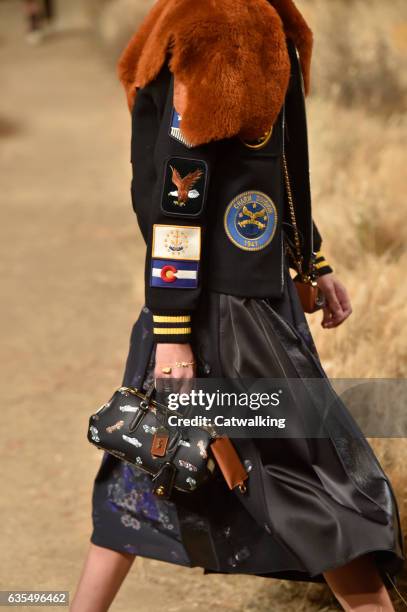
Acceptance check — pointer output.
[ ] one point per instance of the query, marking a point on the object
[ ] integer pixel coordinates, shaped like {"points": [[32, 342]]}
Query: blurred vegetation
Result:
{"points": [[360, 48]]}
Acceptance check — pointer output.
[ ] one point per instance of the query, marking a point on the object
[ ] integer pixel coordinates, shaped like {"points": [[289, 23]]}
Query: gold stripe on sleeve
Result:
{"points": [[172, 330], [322, 264], [174, 319]]}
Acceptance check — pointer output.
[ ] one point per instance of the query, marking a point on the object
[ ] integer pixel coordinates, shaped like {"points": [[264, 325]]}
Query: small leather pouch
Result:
{"points": [[310, 295], [229, 463]]}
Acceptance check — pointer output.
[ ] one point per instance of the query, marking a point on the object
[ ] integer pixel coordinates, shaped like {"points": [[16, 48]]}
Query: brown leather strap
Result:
{"points": [[229, 463]]}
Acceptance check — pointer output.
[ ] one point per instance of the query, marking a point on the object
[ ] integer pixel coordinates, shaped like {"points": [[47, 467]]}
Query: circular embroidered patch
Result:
{"points": [[251, 220]]}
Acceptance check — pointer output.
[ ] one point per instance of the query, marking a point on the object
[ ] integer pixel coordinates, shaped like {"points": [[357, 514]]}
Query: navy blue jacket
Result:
{"points": [[215, 217]]}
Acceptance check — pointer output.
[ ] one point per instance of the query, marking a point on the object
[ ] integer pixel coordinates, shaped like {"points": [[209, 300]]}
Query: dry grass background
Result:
{"points": [[358, 132]]}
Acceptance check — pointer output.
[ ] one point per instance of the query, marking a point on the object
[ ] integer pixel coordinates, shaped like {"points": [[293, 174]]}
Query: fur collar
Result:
{"points": [[230, 56]]}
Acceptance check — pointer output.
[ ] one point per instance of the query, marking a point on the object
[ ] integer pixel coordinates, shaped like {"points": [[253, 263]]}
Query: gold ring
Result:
{"points": [[184, 364], [166, 370]]}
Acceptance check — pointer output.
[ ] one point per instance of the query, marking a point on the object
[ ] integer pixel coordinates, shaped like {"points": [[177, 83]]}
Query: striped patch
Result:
{"points": [[174, 274], [175, 129]]}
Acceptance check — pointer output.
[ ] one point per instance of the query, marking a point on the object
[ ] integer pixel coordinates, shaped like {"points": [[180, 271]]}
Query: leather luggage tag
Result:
{"points": [[229, 463], [311, 297], [160, 442]]}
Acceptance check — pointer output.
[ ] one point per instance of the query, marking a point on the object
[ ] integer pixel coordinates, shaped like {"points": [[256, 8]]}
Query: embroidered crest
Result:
{"points": [[184, 187], [175, 129], [177, 275], [176, 242], [250, 220]]}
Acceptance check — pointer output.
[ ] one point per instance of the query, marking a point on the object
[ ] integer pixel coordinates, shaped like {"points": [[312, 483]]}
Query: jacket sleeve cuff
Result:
{"points": [[172, 328], [321, 265]]}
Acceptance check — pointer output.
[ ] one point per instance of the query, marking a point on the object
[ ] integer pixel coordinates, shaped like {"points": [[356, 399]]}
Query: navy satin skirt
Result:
{"points": [[313, 503]]}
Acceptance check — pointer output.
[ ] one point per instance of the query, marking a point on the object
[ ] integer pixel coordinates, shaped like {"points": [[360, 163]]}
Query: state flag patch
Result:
{"points": [[172, 274], [176, 242], [175, 129]]}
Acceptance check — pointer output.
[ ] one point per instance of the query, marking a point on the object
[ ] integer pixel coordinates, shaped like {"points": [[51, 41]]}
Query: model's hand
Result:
{"points": [[338, 306], [166, 358], [168, 355]]}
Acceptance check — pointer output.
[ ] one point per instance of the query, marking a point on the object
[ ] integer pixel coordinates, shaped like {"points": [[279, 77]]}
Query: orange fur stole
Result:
{"points": [[229, 56]]}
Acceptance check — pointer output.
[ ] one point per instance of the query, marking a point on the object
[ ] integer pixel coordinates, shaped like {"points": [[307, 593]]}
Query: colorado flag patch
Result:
{"points": [[174, 274]]}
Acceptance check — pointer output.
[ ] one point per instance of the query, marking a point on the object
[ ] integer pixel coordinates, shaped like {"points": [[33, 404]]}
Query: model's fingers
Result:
{"points": [[188, 382], [344, 299], [337, 318], [162, 371], [326, 319], [333, 302], [173, 379], [333, 305]]}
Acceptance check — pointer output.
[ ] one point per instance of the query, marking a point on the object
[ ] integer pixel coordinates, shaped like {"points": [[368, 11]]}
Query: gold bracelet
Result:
{"points": [[178, 364]]}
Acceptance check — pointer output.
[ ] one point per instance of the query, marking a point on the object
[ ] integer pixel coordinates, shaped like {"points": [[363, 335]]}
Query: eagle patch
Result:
{"points": [[184, 190], [250, 220]]}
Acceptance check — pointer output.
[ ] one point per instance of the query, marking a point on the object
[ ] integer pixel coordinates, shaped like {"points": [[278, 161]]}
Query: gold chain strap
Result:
{"points": [[297, 257]]}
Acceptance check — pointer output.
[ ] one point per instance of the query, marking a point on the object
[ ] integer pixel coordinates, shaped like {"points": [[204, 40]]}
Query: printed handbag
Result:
{"points": [[134, 427]]}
